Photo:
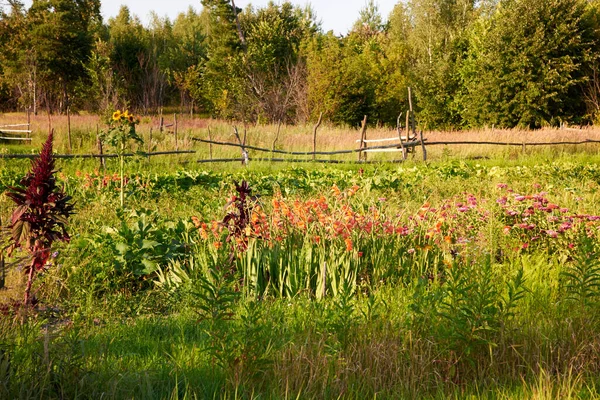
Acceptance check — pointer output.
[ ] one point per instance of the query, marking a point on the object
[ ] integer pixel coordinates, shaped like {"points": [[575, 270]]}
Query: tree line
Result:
{"points": [[471, 63]]}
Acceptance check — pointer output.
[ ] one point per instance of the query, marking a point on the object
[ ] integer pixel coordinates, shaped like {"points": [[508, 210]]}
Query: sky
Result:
{"points": [[336, 15]]}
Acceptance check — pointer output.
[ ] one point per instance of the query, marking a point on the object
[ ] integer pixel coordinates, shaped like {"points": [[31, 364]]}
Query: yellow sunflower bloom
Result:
{"points": [[116, 115], [126, 114], [130, 118]]}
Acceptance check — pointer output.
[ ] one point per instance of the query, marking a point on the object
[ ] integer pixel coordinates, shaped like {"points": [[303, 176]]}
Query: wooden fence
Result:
{"points": [[15, 132], [310, 155]]}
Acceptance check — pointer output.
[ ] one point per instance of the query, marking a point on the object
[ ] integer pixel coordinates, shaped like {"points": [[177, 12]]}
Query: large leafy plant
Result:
{"points": [[120, 132], [41, 214]]}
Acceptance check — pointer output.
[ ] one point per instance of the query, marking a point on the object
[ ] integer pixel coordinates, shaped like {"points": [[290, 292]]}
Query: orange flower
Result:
{"points": [[336, 190], [218, 245], [203, 231], [348, 242], [196, 221]]}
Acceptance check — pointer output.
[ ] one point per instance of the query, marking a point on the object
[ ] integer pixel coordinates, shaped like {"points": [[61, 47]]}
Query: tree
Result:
{"points": [[220, 81], [62, 40], [436, 39], [527, 64]]}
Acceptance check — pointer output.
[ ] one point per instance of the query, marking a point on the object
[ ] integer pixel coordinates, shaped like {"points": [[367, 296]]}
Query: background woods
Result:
{"points": [[472, 63]]}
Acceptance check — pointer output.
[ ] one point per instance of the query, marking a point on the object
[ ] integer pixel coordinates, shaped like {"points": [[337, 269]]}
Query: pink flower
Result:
{"points": [[565, 226], [520, 198], [501, 200], [551, 233], [502, 186], [463, 209]]}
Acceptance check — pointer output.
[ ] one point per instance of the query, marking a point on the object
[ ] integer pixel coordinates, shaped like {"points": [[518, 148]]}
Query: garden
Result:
{"points": [[453, 278]]}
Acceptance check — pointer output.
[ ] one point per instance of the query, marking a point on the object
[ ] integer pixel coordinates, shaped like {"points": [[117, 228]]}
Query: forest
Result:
{"points": [[471, 63]]}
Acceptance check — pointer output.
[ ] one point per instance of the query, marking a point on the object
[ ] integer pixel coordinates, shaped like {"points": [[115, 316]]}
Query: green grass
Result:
{"points": [[436, 326]]}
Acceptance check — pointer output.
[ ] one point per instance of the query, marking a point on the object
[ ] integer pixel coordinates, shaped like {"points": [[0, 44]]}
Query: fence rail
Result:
{"points": [[26, 132], [246, 147]]}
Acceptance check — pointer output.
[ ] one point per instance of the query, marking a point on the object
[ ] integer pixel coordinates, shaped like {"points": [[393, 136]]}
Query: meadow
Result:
{"points": [[473, 275]]}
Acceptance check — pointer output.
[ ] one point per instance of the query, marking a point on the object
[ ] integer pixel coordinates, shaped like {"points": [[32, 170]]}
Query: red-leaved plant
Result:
{"points": [[41, 214]]}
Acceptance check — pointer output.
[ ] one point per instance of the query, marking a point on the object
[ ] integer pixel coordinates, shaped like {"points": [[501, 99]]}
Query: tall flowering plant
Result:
{"points": [[41, 214], [120, 133]]}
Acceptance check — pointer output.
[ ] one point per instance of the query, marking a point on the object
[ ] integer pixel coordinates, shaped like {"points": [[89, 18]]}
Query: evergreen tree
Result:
{"points": [[62, 40], [527, 64]]}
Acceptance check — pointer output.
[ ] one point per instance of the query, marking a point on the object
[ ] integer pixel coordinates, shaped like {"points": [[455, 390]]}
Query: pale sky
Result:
{"points": [[336, 15]]}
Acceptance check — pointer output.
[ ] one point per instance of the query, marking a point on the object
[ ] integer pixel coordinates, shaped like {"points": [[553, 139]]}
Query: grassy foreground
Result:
{"points": [[463, 279]]}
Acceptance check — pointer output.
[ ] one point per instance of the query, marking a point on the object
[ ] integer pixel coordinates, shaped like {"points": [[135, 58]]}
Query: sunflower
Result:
{"points": [[131, 119], [116, 115], [126, 114]]}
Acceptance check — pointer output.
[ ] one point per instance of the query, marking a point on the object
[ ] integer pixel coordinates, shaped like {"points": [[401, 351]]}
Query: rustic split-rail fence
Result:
{"points": [[17, 132], [408, 140]]}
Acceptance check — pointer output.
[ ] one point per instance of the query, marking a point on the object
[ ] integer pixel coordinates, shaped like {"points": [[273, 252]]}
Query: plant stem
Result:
{"points": [[29, 283], [122, 160]]}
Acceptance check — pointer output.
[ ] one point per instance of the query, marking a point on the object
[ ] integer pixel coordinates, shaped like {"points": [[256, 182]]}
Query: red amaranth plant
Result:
{"points": [[41, 214], [238, 219]]}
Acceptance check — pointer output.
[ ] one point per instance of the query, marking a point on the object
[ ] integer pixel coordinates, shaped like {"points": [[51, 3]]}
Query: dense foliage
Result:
{"points": [[471, 63]]}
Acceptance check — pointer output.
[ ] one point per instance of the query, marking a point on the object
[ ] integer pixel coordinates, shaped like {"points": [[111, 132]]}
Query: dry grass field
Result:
{"points": [[291, 138]]}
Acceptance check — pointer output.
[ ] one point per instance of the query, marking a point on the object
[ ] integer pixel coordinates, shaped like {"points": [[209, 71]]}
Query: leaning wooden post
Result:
{"points": [[276, 137], [242, 145], [175, 132], [28, 122], [150, 144], [314, 135], [160, 127], [210, 152], [99, 144], [423, 146], [363, 138], [69, 128], [413, 125], [399, 129]]}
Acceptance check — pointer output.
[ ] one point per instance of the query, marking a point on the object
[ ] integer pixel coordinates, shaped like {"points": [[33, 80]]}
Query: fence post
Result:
{"points": [[99, 144], [363, 137], [210, 151], [242, 145], [314, 135], [423, 146], [28, 122], [399, 129], [276, 137], [69, 128], [150, 144], [175, 131]]}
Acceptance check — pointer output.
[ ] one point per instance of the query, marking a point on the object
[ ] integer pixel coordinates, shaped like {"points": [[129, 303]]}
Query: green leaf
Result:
{"points": [[149, 244], [122, 247], [150, 266]]}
